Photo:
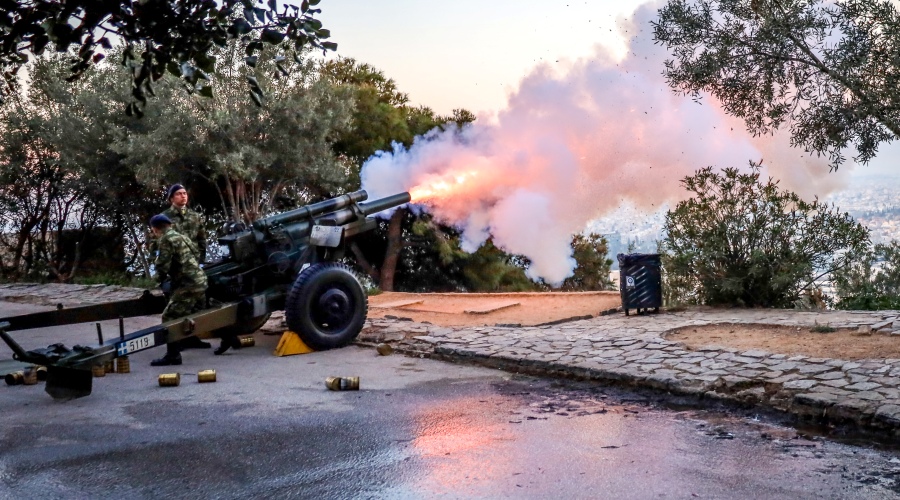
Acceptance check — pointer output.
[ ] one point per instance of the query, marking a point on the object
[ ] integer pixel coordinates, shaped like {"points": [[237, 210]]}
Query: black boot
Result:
{"points": [[230, 341], [170, 359], [194, 343]]}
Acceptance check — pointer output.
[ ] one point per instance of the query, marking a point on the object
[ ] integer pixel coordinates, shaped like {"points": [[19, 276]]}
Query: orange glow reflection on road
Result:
{"points": [[471, 443], [461, 443]]}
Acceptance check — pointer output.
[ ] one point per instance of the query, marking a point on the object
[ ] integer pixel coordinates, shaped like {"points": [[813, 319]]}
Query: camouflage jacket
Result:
{"points": [[188, 223], [177, 260]]}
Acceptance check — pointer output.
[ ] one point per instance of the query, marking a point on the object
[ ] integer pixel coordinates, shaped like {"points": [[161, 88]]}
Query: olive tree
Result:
{"points": [[60, 180], [739, 240], [253, 155], [828, 70]]}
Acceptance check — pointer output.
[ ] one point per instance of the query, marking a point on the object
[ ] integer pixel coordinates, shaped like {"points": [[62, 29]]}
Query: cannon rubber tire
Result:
{"points": [[327, 306], [243, 327]]}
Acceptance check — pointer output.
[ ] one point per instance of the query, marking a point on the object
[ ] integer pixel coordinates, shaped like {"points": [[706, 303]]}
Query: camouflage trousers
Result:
{"points": [[184, 301]]}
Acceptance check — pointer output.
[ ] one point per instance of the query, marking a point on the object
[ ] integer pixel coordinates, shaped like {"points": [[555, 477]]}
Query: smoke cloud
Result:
{"points": [[572, 145]]}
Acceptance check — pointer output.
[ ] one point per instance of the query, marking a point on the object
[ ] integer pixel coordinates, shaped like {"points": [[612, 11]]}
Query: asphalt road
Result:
{"points": [[417, 429]]}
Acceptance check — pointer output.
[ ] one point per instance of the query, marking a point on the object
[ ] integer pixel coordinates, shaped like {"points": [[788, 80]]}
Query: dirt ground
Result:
{"points": [[489, 309], [528, 309], [842, 343]]}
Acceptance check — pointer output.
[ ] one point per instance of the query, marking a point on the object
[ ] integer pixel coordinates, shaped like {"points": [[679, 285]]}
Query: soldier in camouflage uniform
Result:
{"points": [[185, 220], [177, 261], [189, 223]]}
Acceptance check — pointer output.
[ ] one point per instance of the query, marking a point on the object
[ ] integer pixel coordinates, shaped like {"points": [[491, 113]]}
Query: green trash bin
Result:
{"points": [[640, 282]]}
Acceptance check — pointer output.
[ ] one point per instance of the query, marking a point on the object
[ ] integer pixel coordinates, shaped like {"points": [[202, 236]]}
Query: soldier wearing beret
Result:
{"points": [[185, 220], [177, 262], [190, 224]]}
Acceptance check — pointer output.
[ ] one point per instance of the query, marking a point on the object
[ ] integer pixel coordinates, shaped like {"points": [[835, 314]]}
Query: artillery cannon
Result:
{"points": [[287, 261]]}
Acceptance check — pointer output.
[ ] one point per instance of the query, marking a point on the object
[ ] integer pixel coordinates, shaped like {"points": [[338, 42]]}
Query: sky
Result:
{"points": [[574, 120], [474, 54], [469, 53]]}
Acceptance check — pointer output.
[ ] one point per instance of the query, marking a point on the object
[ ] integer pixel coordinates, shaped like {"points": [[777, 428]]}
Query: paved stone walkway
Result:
{"points": [[52, 294], [632, 351]]}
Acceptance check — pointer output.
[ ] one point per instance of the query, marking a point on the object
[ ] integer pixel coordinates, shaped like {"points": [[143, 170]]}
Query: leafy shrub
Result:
{"points": [[592, 265], [741, 241], [872, 281]]}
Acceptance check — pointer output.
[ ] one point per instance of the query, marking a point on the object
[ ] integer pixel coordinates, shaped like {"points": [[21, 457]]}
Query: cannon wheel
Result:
{"points": [[326, 306], [243, 326]]}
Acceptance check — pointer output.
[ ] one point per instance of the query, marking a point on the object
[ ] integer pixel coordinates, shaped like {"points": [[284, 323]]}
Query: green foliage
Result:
{"points": [[823, 329], [112, 278], [490, 269], [740, 241], [178, 37], [58, 172], [592, 265], [872, 281], [378, 114], [827, 69], [433, 260], [69, 157], [382, 114], [253, 156]]}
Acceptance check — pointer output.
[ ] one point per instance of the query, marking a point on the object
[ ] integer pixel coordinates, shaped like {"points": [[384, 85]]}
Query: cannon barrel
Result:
{"points": [[375, 206], [350, 214], [309, 212]]}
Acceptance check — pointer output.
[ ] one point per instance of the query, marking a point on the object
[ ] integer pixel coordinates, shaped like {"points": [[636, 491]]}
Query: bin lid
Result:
{"points": [[627, 259]]}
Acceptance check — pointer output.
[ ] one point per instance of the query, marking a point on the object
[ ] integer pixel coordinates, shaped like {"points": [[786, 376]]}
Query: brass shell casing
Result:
{"points": [[169, 379], [29, 376], [248, 341], [41, 373], [98, 370], [123, 365], [14, 378], [204, 376], [342, 383], [384, 349]]}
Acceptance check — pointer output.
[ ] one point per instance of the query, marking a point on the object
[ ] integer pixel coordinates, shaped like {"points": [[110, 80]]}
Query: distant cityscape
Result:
{"points": [[874, 201]]}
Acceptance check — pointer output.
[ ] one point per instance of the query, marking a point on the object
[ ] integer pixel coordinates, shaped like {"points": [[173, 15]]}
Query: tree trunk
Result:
{"points": [[19, 251], [229, 191], [371, 270], [392, 253]]}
